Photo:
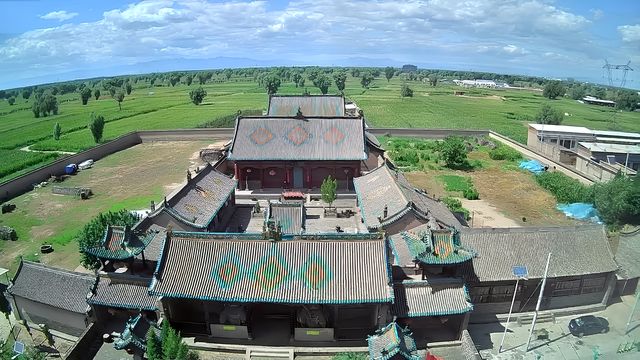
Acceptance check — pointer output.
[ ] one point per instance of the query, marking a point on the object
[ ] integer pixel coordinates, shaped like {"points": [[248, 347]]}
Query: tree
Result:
{"points": [[119, 96], [96, 125], [296, 78], [618, 200], [204, 76], [549, 115], [26, 93], [600, 93], [11, 100], [406, 91], [454, 152], [300, 82], [174, 79], [227, 73], [553, 89], [57, 130], [188, 79], [340, 79], [92, 233], [85, 94], [154, 346], [577, 92], [323, 82], [44, 105], [328, 190], [433, 79], [389, 72], [271, 83], [627, 100], [128, 88], [96, 93], [355, 72], [366, 80], [197, 95]]}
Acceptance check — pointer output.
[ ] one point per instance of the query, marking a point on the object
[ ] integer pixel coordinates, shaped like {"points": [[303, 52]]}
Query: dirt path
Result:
{"points": [[28, 149], [483, 214]]}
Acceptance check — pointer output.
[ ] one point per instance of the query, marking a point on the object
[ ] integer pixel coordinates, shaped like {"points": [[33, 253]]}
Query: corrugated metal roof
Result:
{"points": [[59, 288], [611, 148], [628, 255], [575, 250], [430, 298], [284, 138], [198, 202], [312, 270], [310, 105], [122, 291], [392, 341], [289, 216]]}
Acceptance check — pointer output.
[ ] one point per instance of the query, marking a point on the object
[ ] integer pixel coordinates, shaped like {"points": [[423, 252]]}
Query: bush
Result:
{"points": [[503, 152], [454, 152], [350, 356], [618, 200], [549, 115], [406, 91], [197, 95], [565, 189], [471, 194], [455, 206]]}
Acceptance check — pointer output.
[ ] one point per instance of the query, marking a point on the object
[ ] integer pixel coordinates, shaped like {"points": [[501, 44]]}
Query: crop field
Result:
{"points": [[163, 107]]}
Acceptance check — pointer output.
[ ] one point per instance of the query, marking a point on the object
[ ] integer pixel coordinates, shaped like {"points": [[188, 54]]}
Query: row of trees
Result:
{"points": [[625, 99]]}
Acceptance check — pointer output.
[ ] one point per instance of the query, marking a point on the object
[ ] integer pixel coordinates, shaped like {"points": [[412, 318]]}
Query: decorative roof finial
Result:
{"points": [[188, 175], [385, 212], [299, 114]]}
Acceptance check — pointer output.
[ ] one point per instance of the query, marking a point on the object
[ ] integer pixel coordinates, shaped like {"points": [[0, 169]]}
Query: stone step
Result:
{"points": [[268, 353], [542, 317]]}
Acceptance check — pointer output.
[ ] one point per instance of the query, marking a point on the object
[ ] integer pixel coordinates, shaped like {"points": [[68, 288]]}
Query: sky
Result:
{"points": [[47, 41]]}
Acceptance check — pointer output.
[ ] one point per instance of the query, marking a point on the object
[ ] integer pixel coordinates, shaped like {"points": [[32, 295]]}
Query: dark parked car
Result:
{"points": [[588, 325]]}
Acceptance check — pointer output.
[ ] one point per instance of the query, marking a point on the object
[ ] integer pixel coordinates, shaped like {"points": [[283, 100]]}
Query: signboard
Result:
{"points": [[18, 348], [520, 271]]}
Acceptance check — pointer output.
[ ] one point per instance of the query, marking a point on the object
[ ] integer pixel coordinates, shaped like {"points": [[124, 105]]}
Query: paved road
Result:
{"points": [[561, 345]]}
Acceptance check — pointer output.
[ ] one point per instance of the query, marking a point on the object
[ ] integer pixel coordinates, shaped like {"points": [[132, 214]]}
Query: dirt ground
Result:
{"points": [[508, 197], [128, 179]]}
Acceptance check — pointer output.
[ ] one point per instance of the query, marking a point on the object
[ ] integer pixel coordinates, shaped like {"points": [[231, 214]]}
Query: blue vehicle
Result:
{"points": [[588, 325]]}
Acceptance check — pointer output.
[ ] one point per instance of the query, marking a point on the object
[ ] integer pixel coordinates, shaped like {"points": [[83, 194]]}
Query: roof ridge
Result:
{"points": [[57, 269], [533, 229]]}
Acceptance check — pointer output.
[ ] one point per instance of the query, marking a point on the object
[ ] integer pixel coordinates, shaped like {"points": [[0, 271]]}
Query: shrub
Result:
{"points": [[471, 194], [564, 188], [197, 95], [96, 125], [350, 356], [618, 200], [503, 152], [549, 115], [455, 206], [454, 152], [406, 91]]}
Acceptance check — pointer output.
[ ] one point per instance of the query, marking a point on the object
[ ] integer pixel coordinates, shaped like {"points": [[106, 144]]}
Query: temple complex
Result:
{"points": [[245, 253]]}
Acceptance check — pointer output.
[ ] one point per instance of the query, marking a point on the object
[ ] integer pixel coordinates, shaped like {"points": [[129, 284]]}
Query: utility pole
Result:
{"points": [[535, 314], [626, 329]]}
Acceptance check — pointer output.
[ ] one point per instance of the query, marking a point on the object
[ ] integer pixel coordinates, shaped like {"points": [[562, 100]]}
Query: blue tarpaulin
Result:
{"points": [[580, 211], [532, 165]]}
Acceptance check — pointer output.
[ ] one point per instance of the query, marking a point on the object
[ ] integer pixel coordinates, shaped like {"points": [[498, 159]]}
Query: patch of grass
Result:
{"points": [[564, 188], [456, 182], [455, 206], [12, 161]]}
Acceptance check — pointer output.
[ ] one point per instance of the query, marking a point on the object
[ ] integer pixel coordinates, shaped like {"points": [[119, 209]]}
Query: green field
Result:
{"points": [[162, 107]]}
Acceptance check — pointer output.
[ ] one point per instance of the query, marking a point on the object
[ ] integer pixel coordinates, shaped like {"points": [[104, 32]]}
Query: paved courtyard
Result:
{"points": [[561, 344]]}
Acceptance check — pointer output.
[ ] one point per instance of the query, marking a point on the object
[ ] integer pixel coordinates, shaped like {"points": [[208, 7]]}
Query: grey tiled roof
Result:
{"points": [[576, 250], [427, 205], [628, 255], [401, 253], [52, 286], [326, 269], [392, 341], [290, 217], [287, 138], [152, 251], [123, 291], [199, 201], [384, 187], [310, 105], [436, 297], [432, 246]]}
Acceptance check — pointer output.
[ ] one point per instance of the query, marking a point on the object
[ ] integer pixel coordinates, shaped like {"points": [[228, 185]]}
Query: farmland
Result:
{"points": [[164, 107]]}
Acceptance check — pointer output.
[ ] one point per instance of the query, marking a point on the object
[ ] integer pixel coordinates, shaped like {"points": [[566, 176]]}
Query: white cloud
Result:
{"points": [[630, 33], [597, 14], [61, 15], [309, 31]]}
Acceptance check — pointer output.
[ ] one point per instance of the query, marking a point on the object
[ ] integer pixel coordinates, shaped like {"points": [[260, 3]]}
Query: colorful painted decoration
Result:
{"points": [[315, 273], [228, 271], [298, 135], [261, 136], [334, 135], [271, 272]]}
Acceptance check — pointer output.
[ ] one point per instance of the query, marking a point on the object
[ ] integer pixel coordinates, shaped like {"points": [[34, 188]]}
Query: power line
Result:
{"points": [[624, 67]]}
